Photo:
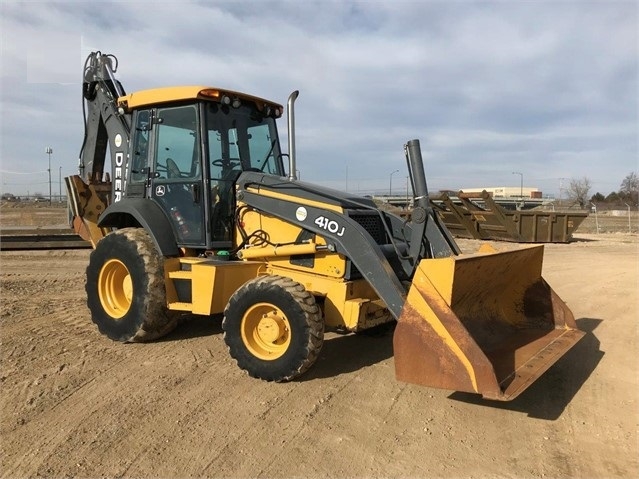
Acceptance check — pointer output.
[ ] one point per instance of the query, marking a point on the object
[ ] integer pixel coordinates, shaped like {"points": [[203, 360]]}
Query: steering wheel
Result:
{"points": [[226, 163], [230, 164], [172, 169]]}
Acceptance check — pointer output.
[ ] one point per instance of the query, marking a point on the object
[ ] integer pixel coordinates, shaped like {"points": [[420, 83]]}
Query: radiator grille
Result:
{"points": [[372, 223]]}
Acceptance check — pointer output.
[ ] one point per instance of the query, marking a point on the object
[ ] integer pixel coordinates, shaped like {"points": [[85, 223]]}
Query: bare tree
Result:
{"points": [[578, 190], [630, 188]]}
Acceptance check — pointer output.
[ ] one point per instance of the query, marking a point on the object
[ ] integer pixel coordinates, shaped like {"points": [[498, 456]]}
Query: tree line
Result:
{"points": [[628, 193]]}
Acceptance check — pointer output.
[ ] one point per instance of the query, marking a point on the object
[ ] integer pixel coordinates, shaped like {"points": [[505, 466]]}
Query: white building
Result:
{"points": [[508, 191]]}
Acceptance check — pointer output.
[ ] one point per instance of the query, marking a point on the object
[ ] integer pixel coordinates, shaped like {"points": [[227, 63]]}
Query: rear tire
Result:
{"points": [[125, 288], [273, 328]]}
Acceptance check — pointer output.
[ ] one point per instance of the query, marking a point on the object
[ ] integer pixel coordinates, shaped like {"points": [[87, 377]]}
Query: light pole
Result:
{"points": [[561, 189], [346, 190], [521, 184], [390, 187], [60, 184], [407, 192], [596, 219], [49, 151]]}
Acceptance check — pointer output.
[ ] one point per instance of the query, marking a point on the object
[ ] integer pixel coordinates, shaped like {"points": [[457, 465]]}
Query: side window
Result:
{"points": [[140, 152], [177, 152], [261, 149]]}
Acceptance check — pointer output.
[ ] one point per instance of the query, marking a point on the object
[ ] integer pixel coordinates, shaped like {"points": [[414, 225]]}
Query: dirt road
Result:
{"points": [[77, 404]]}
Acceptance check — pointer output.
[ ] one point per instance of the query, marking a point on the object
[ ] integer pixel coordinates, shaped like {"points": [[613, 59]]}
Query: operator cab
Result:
{"points": [[187, 156]]}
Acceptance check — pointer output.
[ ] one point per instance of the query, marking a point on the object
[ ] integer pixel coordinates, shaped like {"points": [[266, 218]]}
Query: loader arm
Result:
{"points": [[349, 237], [428, 237]]}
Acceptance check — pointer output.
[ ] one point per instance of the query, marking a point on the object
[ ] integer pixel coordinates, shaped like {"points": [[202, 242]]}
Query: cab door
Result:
{"points": [[177, 180]]}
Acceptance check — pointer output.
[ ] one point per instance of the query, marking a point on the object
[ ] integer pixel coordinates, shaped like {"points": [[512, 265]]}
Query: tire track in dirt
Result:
{"points": [[80, 413], [27, 338], [263, 426], [169, 364]]}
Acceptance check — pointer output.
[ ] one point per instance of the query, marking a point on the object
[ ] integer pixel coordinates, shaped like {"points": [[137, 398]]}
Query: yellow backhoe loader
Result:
{"points": [[199, 214]]}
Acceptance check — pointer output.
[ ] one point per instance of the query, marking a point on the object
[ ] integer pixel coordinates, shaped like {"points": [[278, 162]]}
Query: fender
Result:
{"points": [[148, 215]]}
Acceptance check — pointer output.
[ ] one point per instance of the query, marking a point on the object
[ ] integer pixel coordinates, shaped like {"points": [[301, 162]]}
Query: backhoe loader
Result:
{"points": [[200, 215]]}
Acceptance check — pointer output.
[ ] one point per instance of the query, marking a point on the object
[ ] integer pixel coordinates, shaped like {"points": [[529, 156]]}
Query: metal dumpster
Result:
{"points": [[465, 218]]}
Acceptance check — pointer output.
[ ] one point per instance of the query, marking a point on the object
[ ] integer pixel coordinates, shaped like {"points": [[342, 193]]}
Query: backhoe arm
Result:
{"points": [[106, 128], [104, 124]]}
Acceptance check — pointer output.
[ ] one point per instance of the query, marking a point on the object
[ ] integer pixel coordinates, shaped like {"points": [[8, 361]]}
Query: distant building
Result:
{"points": [[508, 191]]}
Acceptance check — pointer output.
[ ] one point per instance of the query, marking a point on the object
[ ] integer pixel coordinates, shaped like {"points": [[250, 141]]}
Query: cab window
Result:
{"points": [[177, 147], [140, 150], [262, 149]]}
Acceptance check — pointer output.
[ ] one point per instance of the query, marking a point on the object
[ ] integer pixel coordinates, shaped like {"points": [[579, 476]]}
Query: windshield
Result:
{"points": [[242, 139]]}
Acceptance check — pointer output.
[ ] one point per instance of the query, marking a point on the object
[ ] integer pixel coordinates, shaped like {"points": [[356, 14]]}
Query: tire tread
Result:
{"points": [[312, 315]]}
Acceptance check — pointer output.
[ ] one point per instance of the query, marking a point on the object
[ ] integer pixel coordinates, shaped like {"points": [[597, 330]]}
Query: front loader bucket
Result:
{"points": [[482, 323]]}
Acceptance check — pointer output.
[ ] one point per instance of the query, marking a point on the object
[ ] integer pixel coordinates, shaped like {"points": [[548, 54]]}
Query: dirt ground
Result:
{"points": [[75, 404]]}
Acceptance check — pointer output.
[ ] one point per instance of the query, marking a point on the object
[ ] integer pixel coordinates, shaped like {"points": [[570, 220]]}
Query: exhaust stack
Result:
{"points": [[290, 113]]}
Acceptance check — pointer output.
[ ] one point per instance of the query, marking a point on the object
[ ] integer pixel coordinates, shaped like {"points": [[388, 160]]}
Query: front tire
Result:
{"points": [[273, 328], [125, 287]]}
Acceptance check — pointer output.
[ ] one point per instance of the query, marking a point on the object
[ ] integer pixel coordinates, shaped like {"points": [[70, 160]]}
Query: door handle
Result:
{"points": [[195, 192]]}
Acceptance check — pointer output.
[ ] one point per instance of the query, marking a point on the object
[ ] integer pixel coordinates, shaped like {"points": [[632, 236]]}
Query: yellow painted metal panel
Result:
{"points": [[156, 96], [280, 232], [212, 282], [171, 266]]}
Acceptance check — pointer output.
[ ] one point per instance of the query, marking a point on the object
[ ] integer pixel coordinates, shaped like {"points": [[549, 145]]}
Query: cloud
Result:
{"points": [[546, 88]]}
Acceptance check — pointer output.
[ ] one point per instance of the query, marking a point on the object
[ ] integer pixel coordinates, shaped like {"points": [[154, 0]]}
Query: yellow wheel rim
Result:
{"points": [[265, 331], [115, 288]]}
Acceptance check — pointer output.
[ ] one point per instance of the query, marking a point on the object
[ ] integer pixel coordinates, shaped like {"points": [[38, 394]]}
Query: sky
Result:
{"points": [[547, 89]]}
